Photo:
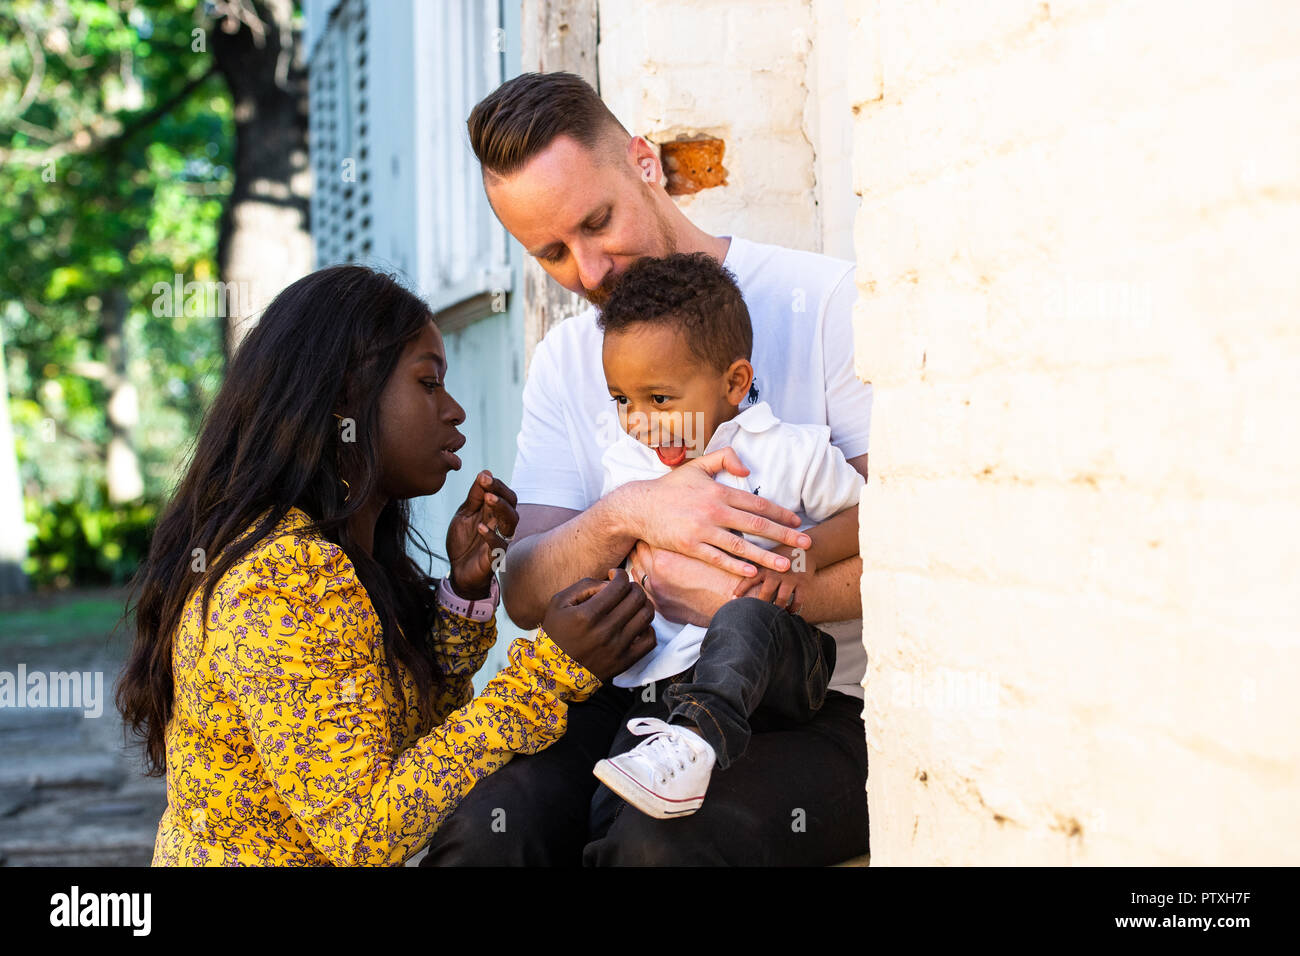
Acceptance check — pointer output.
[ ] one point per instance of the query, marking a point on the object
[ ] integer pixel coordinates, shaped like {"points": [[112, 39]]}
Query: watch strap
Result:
{"points": [[482, 609]]}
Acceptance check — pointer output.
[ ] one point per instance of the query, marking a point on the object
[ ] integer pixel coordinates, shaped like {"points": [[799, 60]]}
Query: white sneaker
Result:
{"points": [[666, 774]]}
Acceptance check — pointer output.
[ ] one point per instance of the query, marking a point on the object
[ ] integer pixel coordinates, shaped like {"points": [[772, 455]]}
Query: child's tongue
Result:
{"points": [[671, 455]]}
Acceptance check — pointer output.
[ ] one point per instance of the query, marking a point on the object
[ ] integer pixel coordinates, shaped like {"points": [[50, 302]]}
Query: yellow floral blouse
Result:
{"points": [[285, 745]]}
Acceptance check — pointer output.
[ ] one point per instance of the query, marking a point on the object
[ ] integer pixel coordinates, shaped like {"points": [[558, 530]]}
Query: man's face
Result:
{"points": [[583, 220]]}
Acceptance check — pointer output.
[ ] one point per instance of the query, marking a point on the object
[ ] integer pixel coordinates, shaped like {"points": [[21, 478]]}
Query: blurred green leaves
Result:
{"points": [[116, 144], [86, 543]]}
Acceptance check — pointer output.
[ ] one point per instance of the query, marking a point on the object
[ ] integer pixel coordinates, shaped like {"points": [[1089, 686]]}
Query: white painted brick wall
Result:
{"points": [[829, 122], [767, 77], [1079, 288]]}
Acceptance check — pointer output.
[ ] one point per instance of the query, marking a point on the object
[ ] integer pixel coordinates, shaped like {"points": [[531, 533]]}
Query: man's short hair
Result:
{"points": [[690, 291], [522, 117]]}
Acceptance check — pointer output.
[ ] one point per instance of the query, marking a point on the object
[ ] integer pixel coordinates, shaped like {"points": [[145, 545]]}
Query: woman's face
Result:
{"points": [[418, 419]]}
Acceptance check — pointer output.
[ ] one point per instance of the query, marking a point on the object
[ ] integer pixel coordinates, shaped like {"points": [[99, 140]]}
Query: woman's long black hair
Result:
{"points": [[270, 442]]}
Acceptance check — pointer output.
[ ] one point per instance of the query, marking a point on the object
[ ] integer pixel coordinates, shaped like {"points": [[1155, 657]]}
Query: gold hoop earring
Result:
{"points": [[338, 466]]}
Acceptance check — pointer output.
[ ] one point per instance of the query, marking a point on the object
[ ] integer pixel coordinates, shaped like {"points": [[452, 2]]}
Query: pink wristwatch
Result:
{"points": [[481, 610]]}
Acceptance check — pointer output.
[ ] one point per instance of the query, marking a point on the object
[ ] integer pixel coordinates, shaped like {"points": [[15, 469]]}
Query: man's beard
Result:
{"points": [[668, 245]]}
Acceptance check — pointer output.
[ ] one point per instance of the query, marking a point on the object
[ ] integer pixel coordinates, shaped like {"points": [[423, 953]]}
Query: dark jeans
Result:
{"points": [[754, 655], [797, 795]]}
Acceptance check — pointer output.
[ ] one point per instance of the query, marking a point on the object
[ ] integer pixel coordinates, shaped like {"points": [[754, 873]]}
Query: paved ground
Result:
{"points": [[70, 791]]}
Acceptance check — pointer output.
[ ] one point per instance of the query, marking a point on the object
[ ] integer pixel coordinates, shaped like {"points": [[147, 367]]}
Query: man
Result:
{"points": [[587, 199]]}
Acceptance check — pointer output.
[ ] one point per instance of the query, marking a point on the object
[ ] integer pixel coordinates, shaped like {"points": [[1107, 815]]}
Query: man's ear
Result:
{"points": [[740, 375], [645, 160]]}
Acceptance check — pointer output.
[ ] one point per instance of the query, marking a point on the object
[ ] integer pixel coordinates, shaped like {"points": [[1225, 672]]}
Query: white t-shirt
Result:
{"points": [[800, 305], [795, 466]]}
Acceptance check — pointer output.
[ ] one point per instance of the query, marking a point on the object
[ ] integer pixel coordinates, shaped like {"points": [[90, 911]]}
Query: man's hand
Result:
{"points": [[688, 512], [689, 591]]}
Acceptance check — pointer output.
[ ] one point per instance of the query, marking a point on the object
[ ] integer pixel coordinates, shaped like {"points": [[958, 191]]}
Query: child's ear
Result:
{"points": [[739, 376]]}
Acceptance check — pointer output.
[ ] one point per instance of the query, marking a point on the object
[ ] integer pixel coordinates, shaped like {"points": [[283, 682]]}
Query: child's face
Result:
{"points": [[667, 397]]}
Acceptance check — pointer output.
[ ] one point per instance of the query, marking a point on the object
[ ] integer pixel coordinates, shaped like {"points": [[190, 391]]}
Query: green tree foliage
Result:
{"points": [[115, 160]]}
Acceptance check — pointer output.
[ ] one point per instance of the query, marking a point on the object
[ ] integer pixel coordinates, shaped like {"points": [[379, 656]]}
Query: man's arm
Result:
{"points": [[834, 539], [829, 493], [684, 589], [685, 510], [554, 547], [832, 592]]}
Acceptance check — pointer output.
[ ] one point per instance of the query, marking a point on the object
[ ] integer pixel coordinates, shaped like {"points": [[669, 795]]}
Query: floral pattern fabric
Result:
{"points": [[287, 744]]}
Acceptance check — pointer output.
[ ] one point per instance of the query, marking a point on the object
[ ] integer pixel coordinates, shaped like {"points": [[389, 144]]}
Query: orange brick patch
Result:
{"points": [[693, 164]]}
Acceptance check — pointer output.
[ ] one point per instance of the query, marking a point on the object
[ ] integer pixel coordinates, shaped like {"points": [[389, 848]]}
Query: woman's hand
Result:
{"points": [[476, 535], [603, 625]]}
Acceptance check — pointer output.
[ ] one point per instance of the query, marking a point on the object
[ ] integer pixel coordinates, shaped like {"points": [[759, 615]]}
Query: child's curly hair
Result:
{"points": [[693, 292]]}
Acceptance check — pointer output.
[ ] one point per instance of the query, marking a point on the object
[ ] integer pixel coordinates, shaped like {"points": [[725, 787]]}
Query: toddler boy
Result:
{"points": [[677, 345]]}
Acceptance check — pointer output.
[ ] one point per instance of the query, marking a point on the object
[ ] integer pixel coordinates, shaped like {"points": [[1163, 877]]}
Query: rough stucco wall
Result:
{"points": [[1078, 285], [734, 69], [829, 122]]}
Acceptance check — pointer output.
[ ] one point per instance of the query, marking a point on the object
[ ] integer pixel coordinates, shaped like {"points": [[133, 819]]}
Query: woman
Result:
{"points": [[303, 685]]}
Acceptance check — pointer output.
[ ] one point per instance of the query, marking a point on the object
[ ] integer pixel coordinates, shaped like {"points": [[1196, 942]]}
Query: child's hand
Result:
{"points": [[774, 587]]}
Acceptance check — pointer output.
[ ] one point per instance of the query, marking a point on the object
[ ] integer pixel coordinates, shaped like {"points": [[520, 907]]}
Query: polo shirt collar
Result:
{"points": [[754, 419]]}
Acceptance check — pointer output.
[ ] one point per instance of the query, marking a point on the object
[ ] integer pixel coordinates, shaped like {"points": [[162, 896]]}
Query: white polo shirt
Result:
{"points": [[795, 466], [800, 305]]}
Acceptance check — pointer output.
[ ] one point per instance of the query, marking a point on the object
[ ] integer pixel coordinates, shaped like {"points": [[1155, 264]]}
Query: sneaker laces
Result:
{"points": [[664, 747]]}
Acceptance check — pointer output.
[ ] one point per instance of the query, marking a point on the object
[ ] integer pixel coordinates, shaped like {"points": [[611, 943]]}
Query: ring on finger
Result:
{"points": [[507, 540]]}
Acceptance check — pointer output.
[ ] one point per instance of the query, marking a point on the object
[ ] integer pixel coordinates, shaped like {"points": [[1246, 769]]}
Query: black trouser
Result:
{"points": [[796, 796], [754, 656]]}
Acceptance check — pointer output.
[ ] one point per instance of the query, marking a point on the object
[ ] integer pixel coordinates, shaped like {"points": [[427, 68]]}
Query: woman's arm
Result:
{"points": [[459, 648], [523, 709], [311, 687]]}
